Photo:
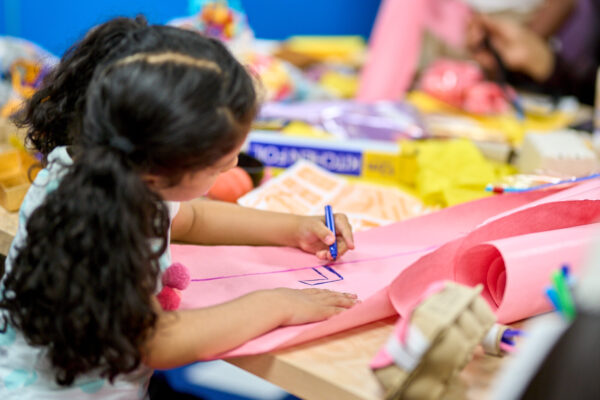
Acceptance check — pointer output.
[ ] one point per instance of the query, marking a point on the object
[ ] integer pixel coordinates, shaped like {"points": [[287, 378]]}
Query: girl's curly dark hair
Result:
{"points": [[53, 112], [82, 283]]}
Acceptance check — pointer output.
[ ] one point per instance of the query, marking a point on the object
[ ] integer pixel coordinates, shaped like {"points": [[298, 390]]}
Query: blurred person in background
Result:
{"points": [[557, 52]]}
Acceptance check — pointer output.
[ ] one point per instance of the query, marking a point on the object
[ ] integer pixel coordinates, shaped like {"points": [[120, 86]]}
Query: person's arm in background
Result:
{"points": [[545, 21], [550, 16], [521, 49], [524, 51]]}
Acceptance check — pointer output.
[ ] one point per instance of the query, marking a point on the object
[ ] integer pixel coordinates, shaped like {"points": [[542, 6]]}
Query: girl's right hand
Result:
{"points": [[301, 306]]}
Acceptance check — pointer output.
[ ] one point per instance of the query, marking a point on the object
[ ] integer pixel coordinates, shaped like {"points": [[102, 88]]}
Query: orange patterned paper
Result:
{"points": [[305, 189]]}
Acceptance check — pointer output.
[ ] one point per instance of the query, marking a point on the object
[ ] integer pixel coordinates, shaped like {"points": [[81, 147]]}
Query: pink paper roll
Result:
{"points": [[515, 271]]}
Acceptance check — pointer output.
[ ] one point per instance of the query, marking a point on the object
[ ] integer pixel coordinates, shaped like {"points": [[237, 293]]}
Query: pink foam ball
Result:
{"points": [[176, 276], [169, 299]]}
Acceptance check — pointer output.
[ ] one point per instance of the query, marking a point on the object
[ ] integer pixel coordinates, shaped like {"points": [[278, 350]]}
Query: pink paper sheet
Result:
{"points": [[391, 266]]}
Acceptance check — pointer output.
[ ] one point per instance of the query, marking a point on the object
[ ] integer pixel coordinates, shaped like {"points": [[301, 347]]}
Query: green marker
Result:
{"points": [[564, 295]]}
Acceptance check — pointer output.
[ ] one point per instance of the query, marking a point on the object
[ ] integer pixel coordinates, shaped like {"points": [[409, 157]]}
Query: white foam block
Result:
{"points": [[562, 153]]}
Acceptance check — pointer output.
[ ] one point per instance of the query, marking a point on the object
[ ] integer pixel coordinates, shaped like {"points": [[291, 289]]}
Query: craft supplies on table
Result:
{"points": [[306, 188]]}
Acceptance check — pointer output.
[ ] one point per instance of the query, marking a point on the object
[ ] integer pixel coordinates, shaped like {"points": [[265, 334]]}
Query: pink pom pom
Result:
{"points": [[448, 80], [169, 299], [176, 276], [485, 98]]}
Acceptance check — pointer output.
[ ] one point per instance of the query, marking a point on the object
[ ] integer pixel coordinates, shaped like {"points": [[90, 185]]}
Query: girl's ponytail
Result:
{"points": [[82, 284]]}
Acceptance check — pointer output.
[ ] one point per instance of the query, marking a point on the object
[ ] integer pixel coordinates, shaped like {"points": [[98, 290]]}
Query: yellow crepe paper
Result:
{"points": [[342, 85], [448, 172], [298, 128], [349, 49]]}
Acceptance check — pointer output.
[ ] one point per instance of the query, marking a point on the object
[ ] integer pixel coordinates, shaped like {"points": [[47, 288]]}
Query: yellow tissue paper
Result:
{"points": [[341, 85], [298, 128], [347, 49], [449, 172]]}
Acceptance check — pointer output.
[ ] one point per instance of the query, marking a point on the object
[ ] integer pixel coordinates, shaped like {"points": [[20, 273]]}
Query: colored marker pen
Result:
{"points": [[329, 221]]}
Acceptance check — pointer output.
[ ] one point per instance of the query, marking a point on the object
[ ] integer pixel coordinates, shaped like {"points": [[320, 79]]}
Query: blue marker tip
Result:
{"points": [[507, 341], [329, 221], [512, 332], [553, 296]]}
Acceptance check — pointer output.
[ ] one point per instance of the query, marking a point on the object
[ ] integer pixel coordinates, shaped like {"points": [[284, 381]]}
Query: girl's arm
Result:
{"points": [[218, 223], [204, 221], [182, 337]]}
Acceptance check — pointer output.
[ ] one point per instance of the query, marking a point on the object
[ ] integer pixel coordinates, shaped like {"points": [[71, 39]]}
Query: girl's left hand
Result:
{"points": [[314, 237]]}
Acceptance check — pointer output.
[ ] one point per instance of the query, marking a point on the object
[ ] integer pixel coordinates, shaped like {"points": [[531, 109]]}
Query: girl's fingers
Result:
{"points": [[344, 229], [346, 302], [324, 234], [339, 300], [342, 247], [323, 255], [326, 254]]}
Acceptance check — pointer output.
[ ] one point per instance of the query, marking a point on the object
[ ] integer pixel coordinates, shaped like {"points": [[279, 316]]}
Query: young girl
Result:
{"points": [[78, 297]]}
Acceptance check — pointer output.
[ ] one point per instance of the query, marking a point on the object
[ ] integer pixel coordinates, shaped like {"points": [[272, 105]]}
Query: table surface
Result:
{"points": [[8, 229], [335, 367]]}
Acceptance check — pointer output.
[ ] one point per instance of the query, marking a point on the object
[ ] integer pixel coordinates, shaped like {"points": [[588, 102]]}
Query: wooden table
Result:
{"points": [[8, 229], [335, 367]]}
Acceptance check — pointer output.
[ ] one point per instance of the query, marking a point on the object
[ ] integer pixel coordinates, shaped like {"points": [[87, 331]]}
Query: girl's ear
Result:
{"points": [[154, 182]]}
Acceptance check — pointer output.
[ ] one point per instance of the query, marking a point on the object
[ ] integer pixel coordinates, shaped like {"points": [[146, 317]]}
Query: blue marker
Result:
{"points": [[553, 296], [508, 341], [569, 278], [331, 226], [512, 332], [565, 271]]}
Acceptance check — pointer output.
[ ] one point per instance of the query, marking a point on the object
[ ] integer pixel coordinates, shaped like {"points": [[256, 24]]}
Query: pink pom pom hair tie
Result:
{"points": [[174, 279]]}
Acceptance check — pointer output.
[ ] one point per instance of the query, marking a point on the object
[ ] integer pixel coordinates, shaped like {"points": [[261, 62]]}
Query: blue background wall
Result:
{"points": [[277, 19], [55, 24]]}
